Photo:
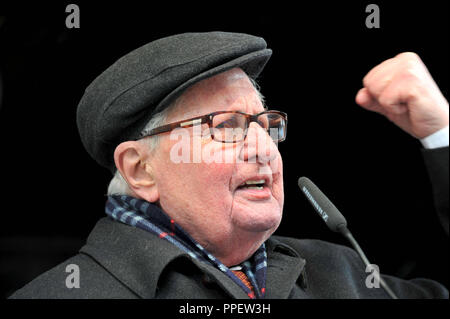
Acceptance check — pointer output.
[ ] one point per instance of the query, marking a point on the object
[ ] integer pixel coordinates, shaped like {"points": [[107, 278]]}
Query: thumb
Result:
{"points": [[366, 101]]}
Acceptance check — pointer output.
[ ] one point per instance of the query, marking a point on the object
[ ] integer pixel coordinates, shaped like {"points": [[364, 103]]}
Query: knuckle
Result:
{"points": [[366, 81], [369, 79], [410, 67], [410, 62], [385, 100], [408, 76], [408, 56]]}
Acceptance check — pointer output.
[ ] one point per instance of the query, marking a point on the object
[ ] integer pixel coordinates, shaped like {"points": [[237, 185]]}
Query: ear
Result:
{"points": [[132, 160]]}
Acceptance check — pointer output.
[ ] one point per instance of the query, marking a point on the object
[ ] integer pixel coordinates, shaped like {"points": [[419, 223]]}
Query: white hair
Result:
{"points": [[118, 185]]}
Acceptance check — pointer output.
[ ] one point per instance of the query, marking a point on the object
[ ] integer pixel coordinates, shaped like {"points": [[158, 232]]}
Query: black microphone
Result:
{"points": [[335, 221]]}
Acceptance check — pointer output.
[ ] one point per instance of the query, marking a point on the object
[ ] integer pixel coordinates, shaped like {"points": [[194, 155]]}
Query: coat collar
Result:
{"points": [[285, 268], [137, 259]]}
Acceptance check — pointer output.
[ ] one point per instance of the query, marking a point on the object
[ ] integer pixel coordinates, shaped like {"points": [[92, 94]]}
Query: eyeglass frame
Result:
{"points": [[208, 119]]}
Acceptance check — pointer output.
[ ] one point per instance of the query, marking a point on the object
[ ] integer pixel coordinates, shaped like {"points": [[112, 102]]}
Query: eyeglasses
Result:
{"points": [[231, 126]]}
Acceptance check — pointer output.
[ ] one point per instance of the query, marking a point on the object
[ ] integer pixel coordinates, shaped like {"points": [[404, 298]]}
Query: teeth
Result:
{"points": [[258, 184], [256, 187], [261, 181]]}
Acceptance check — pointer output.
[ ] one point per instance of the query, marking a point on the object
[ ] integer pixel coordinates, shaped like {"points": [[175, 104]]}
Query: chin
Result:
{"points": [[262, 224]]}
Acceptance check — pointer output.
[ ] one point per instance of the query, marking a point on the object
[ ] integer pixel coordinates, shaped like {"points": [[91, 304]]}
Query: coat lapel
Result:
{"points": [[284, 268], [137, 258]]}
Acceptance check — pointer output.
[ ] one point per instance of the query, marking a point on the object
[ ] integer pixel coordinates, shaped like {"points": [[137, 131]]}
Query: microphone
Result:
{"points": [[335, 221]]}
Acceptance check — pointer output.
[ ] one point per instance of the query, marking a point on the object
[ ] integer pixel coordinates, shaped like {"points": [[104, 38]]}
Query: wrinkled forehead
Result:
{"points": [[230, 90]]}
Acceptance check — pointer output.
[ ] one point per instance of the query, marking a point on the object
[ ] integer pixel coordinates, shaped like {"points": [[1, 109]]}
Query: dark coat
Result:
{"points": [[120, 261]]}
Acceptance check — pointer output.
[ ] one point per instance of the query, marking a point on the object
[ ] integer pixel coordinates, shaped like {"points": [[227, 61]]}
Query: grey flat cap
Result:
{"points": [[117, 105]]}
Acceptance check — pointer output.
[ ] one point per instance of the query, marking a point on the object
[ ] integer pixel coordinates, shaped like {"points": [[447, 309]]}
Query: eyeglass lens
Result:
{"points": [[232, 127]]}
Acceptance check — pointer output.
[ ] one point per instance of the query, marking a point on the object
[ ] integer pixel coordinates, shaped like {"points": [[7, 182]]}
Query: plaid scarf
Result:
{"points": [[142, 214]]}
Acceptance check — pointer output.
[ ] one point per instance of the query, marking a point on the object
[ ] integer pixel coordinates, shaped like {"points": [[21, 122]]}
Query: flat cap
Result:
{"points": [[118, 104]]}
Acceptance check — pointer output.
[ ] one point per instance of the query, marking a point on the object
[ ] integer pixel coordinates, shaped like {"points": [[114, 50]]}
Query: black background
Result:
{"points": [[53, 192]]}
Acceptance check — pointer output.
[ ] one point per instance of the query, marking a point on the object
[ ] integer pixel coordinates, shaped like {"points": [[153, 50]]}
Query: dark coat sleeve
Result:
{"points": [[436, 162], [335, 271]]}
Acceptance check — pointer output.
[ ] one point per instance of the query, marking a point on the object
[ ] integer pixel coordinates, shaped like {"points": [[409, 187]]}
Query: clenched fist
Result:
{"points": [[403, 90]]}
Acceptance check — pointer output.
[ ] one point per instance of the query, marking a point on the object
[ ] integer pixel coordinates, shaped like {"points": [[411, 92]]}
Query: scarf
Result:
{"points": [[142, 214]]}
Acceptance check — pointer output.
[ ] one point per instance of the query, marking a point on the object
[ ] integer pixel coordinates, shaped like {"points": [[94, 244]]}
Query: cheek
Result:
{"points": [[213, 178], [215, 170], [196, 181], [279, 182], [204, 176]]}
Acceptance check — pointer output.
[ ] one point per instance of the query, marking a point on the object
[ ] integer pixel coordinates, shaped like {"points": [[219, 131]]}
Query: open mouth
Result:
{"points": [[256, 184]]}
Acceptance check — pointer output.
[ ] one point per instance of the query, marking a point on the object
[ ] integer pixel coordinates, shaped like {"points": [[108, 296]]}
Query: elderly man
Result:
{"points": [[198, 186]]}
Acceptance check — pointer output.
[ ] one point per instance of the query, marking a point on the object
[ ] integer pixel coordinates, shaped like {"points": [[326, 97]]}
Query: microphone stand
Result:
{"points": [[342, 229]]}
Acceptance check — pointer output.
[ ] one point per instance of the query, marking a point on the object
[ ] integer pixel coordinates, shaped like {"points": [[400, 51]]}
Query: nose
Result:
{"points": [[258, 146]]}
